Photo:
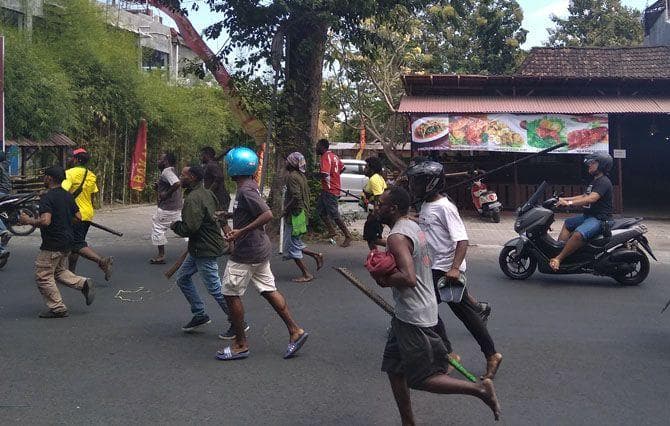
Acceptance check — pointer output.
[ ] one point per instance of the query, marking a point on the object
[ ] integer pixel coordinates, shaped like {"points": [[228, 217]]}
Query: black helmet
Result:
{"points": [[426, 178], [604, 160]]}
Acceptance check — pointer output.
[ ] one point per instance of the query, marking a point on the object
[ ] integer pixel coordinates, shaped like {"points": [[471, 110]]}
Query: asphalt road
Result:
{"points": [[577, 350]]}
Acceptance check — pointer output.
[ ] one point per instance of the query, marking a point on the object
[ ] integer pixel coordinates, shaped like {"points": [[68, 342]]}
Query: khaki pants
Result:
{"points": [[51, 268]]}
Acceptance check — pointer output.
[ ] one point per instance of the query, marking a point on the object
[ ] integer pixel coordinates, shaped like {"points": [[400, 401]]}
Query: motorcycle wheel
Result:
{"points": [[15, 227], [517, 268], [495, 216], [636, 276]]}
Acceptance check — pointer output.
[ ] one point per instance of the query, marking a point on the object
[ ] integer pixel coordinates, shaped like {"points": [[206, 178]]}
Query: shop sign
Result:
{"points": [[511, 132]]}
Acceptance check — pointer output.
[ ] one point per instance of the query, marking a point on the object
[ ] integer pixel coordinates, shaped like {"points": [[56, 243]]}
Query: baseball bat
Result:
{"points": [[175, 266], [382, 303], [106, 229]]}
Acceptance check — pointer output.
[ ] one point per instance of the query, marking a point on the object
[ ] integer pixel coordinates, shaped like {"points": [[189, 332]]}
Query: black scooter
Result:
{"points": [[619, 252]]}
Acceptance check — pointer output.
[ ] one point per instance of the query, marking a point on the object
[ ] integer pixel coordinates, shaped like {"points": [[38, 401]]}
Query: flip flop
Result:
{"points": [[155, 261], [228, 355], [294, 347]]}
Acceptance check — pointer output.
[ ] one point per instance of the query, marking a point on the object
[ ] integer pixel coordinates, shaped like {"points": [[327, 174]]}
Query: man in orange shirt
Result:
{"points": [[331, 187]]}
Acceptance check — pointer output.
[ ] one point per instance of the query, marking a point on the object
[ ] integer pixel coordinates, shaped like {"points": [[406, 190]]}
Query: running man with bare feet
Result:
{"points": [[250, 259], [296, 215], [331, 187], [415, 355]]}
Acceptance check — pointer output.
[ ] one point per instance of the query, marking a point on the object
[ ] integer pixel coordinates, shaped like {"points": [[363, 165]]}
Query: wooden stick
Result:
{"points": [[382, 303], [175, 266], [106, 229]]}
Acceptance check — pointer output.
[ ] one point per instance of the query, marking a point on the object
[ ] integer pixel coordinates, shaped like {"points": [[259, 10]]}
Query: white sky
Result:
{"points": [[536, 18]]}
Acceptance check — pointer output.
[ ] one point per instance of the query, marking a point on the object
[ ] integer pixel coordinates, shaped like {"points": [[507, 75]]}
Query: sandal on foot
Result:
{"points": [[294, 347], [157, 261], [227, 354]]}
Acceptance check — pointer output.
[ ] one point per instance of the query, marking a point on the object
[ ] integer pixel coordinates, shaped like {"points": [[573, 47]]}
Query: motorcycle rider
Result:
{"points": [[5, 189], [597, 207], [448, 240]]}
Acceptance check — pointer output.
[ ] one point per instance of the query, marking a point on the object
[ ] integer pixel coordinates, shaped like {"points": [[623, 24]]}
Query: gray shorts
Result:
{"points": [[327, 206], [415, 352]]}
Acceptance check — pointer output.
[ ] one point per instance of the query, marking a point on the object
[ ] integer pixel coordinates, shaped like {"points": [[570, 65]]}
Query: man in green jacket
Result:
{"points": [[205, 245]]}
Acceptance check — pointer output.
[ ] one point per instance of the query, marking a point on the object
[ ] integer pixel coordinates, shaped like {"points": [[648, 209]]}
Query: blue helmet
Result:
{"points": [[241, 161]]}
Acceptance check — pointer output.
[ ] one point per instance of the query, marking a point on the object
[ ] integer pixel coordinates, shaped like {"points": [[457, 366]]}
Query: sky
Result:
{"points": [[536, 18]]}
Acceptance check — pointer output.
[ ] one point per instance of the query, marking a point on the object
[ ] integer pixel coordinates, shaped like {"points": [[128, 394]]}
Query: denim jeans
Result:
{"points": [[209, 273]]}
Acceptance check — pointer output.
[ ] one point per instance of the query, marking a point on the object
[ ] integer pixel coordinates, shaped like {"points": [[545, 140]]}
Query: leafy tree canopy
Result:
{"points": [[604, 23]]}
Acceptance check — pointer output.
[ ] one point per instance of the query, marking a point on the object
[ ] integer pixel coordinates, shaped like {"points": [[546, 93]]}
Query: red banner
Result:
{"points": [[138, 169]]}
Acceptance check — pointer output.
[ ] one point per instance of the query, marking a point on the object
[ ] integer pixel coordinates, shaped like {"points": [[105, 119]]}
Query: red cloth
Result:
{"points": [[332, 167], [380, 263]]}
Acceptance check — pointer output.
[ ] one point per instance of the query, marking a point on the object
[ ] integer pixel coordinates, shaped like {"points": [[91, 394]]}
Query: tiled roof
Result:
{"points": [[57, 139], [615, 62]]}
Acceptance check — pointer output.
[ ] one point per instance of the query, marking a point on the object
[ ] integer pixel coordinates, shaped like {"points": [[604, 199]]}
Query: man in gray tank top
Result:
{"points": [[415, 355]]}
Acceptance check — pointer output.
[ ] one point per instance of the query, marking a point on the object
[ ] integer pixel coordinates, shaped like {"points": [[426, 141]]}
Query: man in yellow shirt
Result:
{"points": [[81, 183], [372, 231]]}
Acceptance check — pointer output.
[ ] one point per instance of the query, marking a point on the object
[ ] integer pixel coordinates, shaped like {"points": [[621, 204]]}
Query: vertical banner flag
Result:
{"points": [[259, 171], [361, 142], [138, 168]]}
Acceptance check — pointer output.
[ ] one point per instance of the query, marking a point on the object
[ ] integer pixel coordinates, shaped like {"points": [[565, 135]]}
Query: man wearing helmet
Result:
{"points": [[249, 260], [597, 207], [448, 240]]}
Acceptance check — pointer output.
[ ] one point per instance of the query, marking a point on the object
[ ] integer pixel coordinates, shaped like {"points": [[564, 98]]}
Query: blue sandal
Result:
{"points": [[228, 355], [294, 347]]}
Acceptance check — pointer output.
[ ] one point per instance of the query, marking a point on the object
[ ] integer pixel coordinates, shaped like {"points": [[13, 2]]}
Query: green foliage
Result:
{"points": [[603, 23], [80, 76]]}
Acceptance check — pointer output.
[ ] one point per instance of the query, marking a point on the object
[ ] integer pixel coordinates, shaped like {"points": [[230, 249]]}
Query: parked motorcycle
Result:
{"points": [[486, 202], [11, 207], [619, 252]]}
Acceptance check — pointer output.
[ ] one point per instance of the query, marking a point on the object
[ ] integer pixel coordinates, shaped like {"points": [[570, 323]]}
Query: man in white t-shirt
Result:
{"points": [[448, 240], [170, 202]]}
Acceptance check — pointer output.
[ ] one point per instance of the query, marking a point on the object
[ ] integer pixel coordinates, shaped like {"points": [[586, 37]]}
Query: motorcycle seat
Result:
{"points": [[625, 222]]}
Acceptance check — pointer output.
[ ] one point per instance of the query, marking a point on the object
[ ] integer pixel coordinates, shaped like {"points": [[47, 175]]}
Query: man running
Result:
{"points": [[373, 228], [331, 187], [250, 259], [448, 240], [57, 213], [205, 245], [169, 207], [415, 355], [296, 216], [81, 183]]}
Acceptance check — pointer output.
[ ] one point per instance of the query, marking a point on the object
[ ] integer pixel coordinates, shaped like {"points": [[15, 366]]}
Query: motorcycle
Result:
{"points": [[486, 202], [11, 207], [620, 252]]}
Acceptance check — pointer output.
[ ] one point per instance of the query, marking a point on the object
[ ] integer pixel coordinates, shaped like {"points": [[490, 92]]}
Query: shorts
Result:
{"points": [[161, 222], [327, 206], [293, 246], [373, 229], [237, 276], [415, 352], [80, 230], [588, 226]]}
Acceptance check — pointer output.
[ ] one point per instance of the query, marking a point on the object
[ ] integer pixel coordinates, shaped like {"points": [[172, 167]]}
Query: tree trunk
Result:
{"points": [[301, 98]]}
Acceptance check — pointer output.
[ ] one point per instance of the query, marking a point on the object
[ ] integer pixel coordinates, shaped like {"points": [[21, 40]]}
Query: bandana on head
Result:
{"points": [[297, 160]]}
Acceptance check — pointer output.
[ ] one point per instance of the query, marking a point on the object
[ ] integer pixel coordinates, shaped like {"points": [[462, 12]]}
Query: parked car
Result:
{"points": [[353, 178]]}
